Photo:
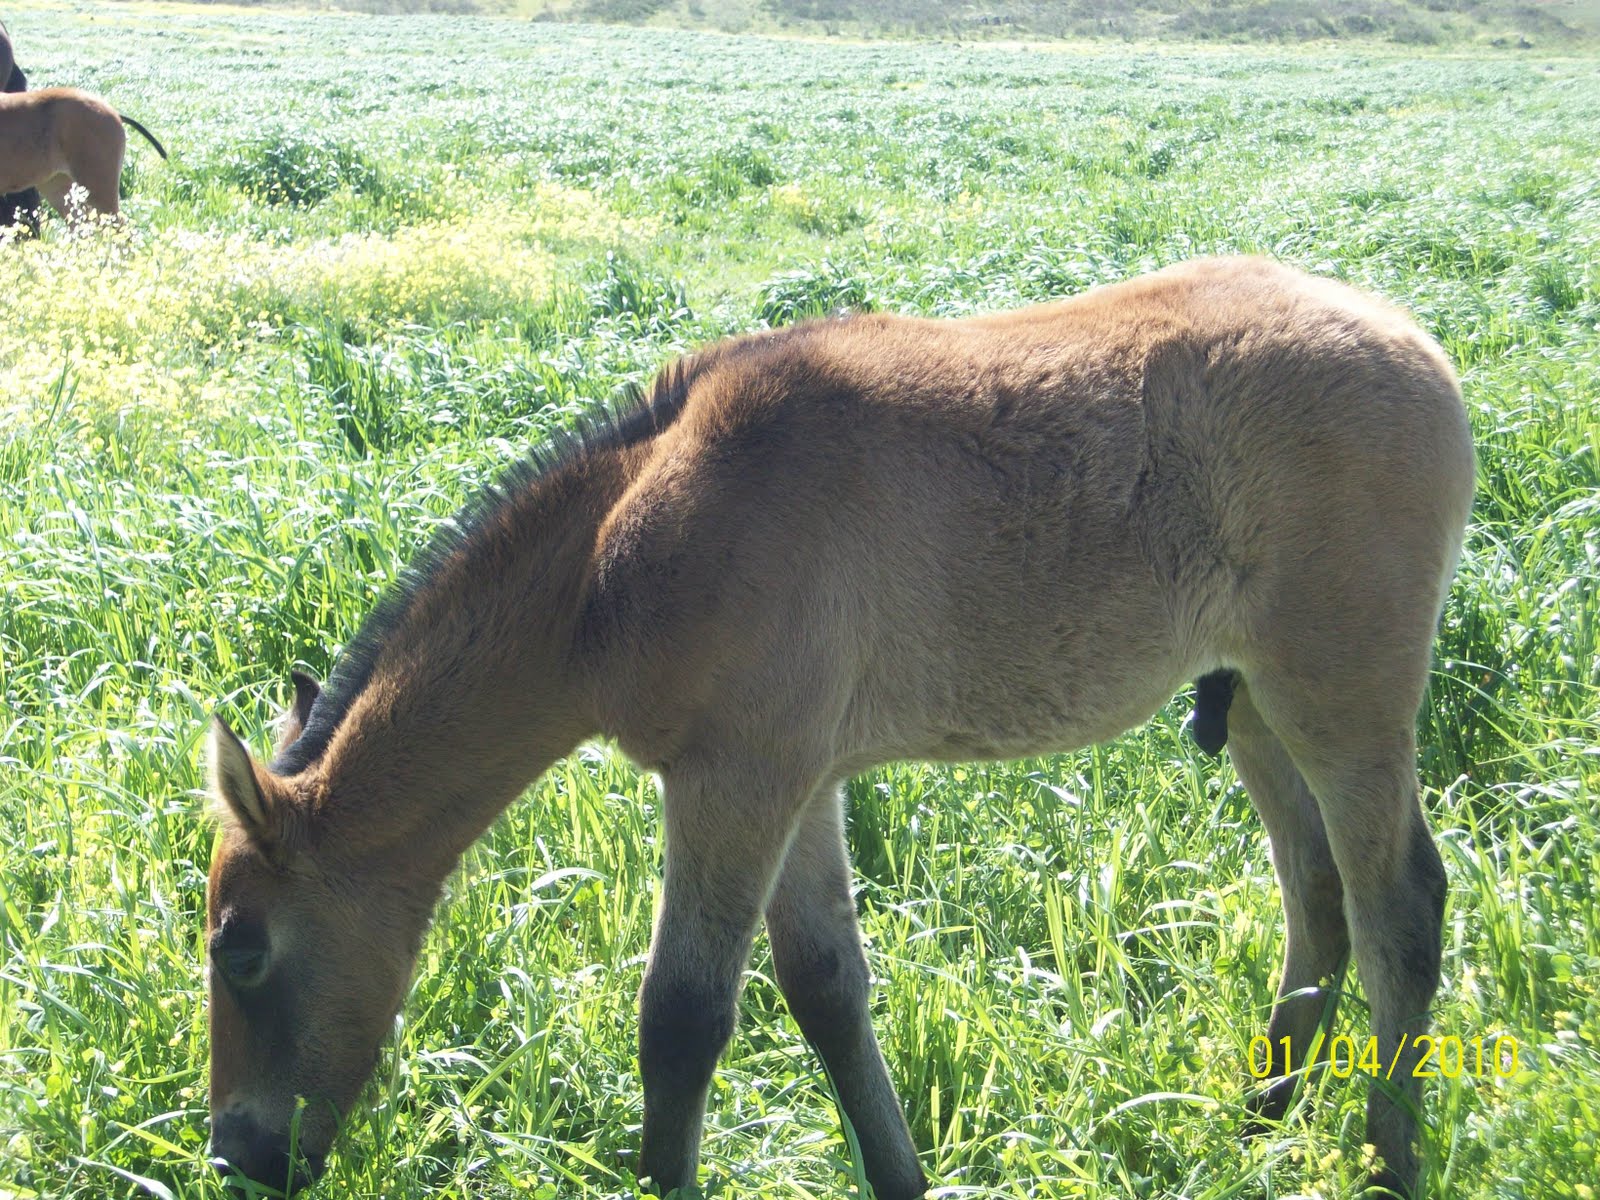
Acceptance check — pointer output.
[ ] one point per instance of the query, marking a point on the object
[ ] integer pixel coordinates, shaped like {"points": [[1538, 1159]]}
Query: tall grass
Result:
{"points": [[388, 256]]}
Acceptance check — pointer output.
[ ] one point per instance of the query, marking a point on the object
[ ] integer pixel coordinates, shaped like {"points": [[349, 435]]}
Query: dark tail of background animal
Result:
{"points": [[148, 136]]}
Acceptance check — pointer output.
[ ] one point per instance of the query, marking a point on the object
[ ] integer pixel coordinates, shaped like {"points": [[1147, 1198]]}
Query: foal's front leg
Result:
{"points": [[816, 950], [727, 828]]}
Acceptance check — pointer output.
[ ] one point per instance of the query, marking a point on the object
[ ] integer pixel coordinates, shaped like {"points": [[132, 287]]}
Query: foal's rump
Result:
{"points": [[1335, 463]]}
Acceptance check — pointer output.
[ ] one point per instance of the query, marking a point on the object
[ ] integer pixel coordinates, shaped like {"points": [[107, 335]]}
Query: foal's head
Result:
{"points": [[310, 947]]}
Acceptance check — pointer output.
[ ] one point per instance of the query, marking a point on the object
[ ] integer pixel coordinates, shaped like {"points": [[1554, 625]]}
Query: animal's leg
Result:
{"points": [[1360, 764], [816, 948], [105, 201], [726, 834], [1316, 939], [102, 182], [19, 213], [55, 190]]}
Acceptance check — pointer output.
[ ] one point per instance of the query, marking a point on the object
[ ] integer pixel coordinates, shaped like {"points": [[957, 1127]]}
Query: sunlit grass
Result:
{"points": [[387, 256]]}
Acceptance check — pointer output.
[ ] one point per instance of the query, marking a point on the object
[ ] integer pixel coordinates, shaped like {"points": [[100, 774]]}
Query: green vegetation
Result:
{"points": [[1498, 24], [1506, 24], [387, 255]]}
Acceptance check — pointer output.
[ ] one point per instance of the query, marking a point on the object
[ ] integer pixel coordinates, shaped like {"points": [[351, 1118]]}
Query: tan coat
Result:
{"points": [[854, 541]]}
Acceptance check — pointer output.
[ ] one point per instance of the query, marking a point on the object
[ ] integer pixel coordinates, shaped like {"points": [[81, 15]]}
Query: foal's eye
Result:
{"points": [[239, 955], [242, 967]]}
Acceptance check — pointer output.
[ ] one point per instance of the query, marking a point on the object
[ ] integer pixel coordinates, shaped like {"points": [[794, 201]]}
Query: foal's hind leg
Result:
{"points": [[816, 948], [1316, 940], [1358, 753], [97, 165], [727, 830]]}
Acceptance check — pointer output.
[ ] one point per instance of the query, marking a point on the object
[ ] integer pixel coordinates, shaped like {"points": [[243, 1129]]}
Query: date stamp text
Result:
{"points": [[1440, 1057]]}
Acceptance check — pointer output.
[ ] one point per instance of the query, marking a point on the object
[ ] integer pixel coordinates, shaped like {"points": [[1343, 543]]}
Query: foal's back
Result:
{"points": [[999, 535]]}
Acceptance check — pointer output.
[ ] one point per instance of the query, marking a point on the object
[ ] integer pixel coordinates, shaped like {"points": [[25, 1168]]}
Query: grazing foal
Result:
{"points": [[856, 541]]}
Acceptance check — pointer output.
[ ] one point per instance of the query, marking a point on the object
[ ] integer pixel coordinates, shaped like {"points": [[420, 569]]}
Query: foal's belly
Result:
{"points": [[1023, 729], [1085, 675]]}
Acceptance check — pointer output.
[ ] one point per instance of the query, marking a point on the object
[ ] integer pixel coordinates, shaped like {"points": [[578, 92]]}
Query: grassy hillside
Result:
{"points": [[388, 255], [1494, 24]]}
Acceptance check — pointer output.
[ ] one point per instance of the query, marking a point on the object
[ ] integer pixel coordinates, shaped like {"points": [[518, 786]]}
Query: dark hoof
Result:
{"points": [[1385, 1184], [1267, 1108]]}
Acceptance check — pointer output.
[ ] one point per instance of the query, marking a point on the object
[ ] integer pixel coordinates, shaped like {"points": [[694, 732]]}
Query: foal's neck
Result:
{"points": [[475, 691]]}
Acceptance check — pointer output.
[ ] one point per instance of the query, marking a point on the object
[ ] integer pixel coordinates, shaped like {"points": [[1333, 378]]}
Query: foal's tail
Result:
{"points": [[148, 136]]}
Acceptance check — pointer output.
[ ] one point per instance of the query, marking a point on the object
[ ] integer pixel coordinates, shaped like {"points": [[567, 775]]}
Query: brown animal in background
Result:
{"points": [[58, 137], [858, 541], [20, 208], [16, 208]]}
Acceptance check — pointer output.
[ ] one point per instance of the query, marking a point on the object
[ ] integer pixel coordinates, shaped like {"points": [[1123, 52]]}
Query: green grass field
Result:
{"points": [[1513, 26], [389, 253]]}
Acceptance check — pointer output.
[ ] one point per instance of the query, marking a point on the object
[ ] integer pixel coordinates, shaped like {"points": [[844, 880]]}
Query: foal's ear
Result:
{"points": [[293, 723], [237, 789]]}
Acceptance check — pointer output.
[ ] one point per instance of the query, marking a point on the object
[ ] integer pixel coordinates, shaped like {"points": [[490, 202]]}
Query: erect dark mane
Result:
{"points": [[633, 418]]}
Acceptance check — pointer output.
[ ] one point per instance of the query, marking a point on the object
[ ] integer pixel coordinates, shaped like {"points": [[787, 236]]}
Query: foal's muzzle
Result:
{"points": [[239, 1146]]}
